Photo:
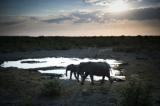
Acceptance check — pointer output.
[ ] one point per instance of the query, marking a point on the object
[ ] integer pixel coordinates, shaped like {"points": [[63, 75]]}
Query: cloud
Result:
{"points": [[90, 1], [77, 17], [98, 2], [101, 17], [88, 17], [16, 20], [11, 20], [106, 2], [11, 23], [59, 19], [136, 3], [138, 14]]}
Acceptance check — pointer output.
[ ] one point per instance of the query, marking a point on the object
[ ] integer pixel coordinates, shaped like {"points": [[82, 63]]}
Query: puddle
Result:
{"points": [[31, 62], [61, 62]]}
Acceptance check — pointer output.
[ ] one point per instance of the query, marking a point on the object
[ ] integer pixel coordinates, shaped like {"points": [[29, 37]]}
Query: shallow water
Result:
{"points": [[61, 62]]}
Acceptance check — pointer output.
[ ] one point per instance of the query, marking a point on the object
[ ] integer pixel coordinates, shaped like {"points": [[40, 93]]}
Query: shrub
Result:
{"points": [[52, 88], [27, 101], [136, 93]]}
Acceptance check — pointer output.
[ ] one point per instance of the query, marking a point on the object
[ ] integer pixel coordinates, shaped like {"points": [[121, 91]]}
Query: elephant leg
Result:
{"points": [[91, 76], [71, 75], [77, 77], [80, 74], [83, 78], [110, 79], [103, 77]]}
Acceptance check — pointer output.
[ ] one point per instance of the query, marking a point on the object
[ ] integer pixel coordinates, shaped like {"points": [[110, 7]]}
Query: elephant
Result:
{"points": [[94, 68], [73, 69]]}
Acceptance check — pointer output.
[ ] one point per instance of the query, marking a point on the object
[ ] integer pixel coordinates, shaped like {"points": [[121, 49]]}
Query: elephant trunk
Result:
{"points": [[66, 71]]}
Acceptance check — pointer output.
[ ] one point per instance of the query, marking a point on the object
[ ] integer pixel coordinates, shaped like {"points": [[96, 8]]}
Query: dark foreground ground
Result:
{"points": [[26, 88]]}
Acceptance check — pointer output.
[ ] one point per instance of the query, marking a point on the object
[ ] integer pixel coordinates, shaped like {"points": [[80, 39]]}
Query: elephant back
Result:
{"points": [[97, 68]]}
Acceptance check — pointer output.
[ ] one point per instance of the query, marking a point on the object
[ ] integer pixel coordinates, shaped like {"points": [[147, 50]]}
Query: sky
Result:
{"points": [[79, 17]]}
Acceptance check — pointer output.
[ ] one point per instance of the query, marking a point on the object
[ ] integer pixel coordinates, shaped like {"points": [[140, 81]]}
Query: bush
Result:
{"points": [[27, 101], [136, 93], [52, 88]]}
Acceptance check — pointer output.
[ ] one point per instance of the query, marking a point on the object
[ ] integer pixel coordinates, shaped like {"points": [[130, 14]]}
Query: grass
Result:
{"points": [[136, 93], [30, 86], [52, 88], [25, 88], [28, 101], [122, 43], [25, 83], [28, 83]]}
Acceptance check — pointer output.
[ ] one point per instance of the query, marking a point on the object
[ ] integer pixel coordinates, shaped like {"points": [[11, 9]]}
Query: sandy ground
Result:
{"points": [[144, 64]]}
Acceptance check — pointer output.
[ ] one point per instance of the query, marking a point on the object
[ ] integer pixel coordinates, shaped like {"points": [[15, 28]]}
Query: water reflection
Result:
{"points": [[60, 62]]}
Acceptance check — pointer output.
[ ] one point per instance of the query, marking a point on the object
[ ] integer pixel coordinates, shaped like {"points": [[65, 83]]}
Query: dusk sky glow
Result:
{"points": [[79, 17]]}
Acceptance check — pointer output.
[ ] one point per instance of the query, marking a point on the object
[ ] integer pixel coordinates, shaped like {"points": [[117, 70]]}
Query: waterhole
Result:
{"points": [[57, 65]]}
